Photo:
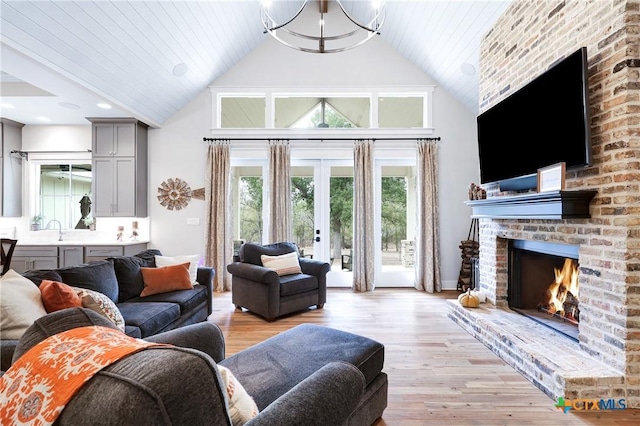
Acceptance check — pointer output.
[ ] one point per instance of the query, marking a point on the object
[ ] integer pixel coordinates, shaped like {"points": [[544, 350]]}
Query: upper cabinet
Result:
{"points": [[119, 164], [10, 168]]}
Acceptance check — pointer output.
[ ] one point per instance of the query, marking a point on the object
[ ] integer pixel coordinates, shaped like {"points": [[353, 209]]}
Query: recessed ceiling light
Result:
{"points": [[180, 69], [467, 69], [104, 105], [69, 105], [6, 105], [42, 118]]}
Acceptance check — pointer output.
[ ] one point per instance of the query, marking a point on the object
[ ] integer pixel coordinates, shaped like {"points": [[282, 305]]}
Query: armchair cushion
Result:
{"points": [[284, 264], [297, 283]]}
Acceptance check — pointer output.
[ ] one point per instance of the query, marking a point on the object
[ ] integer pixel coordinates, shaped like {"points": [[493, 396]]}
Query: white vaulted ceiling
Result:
{"points": [[57, 53]]}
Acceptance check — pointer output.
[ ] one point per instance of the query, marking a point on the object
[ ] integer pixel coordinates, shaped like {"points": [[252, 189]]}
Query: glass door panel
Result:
{"points": [[322, 197], [303, 200], [247, 187], [396, 223]]}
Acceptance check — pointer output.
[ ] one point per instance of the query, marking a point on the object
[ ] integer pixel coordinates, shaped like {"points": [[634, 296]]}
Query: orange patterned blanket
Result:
{"points": [[40, 383]]}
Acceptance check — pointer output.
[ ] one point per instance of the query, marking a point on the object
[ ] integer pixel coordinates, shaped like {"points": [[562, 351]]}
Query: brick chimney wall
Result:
{"points": [[529, 38]]}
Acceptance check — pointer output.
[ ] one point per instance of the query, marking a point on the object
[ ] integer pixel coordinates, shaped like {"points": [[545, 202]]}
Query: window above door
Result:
{"points": [[298, 112]]}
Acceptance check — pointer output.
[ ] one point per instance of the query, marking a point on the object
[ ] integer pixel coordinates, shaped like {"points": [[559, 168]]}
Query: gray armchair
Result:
{"points": [[264, 292]]}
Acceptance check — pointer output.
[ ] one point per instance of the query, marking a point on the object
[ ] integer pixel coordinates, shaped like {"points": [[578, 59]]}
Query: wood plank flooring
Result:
{"points": [[438, 373]]}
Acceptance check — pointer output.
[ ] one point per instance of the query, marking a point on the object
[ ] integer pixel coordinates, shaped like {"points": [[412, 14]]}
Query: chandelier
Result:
{"points": [[343, 24]]}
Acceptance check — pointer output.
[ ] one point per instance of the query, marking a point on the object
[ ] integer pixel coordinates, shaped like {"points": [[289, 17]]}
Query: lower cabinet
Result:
{"points": [[92, 253], [26, 258], [70, 256]]}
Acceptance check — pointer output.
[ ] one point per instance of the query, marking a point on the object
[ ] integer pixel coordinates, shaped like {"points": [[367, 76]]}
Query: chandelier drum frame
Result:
{"points": [[372, 28]]}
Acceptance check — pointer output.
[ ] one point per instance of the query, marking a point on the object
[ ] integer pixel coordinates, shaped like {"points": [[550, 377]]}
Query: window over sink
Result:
{"points": [[61, 191]]}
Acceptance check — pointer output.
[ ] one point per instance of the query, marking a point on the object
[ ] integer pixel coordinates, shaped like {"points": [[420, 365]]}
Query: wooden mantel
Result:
{"points": [[539, 205]]}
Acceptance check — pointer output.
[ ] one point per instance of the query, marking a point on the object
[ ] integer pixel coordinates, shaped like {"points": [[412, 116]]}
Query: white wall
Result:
{"points": [[177, 149]]}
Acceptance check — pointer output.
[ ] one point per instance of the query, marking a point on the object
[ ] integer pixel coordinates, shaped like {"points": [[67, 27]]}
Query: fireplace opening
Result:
{"points": [[543, 284]]}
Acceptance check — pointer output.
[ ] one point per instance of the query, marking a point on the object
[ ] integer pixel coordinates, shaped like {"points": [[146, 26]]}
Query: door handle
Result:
{"points": [[317, 239]]}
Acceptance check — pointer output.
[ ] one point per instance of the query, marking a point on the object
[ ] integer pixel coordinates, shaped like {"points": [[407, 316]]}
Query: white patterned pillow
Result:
{"points": [[242, 407], [285, 264], [193, 260], [101, 304]]}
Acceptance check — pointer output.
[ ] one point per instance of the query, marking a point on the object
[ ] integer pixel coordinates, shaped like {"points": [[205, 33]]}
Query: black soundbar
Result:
{"points": [[523, 183]]}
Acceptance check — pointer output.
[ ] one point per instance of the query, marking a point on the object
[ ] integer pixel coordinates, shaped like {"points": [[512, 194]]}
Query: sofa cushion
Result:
{"points": [[296, 284], [101, 304], [300, 352], [20, 305], [130, 283], [132, 331], [187, 299], [56, 296], [149, 317], [250, 252], [149, 257], [37, 275], [165, 279], [98, 276], [193, 260]]}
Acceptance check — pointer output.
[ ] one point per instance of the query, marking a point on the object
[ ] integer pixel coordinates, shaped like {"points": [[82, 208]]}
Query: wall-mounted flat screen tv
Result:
{"points": [[543, 123]]}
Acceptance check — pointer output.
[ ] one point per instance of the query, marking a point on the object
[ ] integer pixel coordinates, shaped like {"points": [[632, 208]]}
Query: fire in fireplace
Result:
{"points": [[543, 284], [561, 298]]}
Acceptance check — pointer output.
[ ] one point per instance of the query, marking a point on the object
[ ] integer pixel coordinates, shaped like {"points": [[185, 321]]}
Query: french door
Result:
{"points": [[322, 197]]}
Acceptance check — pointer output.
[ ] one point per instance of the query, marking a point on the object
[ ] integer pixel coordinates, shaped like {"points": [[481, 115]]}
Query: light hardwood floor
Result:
{"points": [[438, 373]]}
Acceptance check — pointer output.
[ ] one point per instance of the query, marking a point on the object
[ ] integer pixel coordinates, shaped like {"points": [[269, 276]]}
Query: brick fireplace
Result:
{"points": [[605, 361]]}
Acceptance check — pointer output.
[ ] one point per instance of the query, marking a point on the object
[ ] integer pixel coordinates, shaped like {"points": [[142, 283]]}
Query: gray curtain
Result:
{"points": [[280, 209], [363, 204], [218, 235], [427, 234]]}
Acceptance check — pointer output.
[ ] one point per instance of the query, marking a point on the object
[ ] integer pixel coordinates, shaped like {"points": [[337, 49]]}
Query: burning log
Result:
{"points": [[561, 297]]}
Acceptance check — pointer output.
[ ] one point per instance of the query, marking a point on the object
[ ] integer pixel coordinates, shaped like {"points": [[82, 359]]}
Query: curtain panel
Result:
{"points": [[427, 234], [363, 208], [280, 208], [218, 226]]}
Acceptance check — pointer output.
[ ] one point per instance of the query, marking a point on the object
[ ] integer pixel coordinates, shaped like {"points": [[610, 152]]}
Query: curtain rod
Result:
{"points": [[318, 139]]}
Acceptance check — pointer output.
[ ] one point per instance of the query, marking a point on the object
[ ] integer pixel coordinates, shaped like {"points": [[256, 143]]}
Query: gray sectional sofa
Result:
{"points": [[120, 279]]}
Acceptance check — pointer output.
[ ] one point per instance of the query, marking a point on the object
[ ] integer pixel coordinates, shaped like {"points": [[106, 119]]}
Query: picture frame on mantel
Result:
{"points": [[551, 178]]}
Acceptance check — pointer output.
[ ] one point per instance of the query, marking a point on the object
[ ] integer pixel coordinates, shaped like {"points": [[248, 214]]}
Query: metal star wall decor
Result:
{"points": [[174, 194]]}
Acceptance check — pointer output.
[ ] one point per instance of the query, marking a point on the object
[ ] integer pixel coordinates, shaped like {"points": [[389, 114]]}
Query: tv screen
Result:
{"points": [[543, 123]]}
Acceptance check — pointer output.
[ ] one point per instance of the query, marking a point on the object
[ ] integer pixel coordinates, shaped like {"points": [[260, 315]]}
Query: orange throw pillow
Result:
{"points": [[165, 279], [57, 296]]}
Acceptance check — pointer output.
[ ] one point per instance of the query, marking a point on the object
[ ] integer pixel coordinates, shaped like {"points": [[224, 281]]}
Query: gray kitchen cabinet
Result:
{"points": [[119, 157], [26, 258], [70, 256], [92, 253], [10, 168]]}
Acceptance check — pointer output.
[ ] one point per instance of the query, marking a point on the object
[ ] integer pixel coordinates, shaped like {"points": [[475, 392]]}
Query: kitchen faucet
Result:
{"points": [[59, 227]]}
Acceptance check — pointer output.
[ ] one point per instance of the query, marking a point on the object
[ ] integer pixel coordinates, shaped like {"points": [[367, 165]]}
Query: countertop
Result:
{"points": [[79, 243]]}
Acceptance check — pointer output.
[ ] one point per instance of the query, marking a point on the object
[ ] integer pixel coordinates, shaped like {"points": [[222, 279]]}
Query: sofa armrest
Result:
{"points": [[204, 277], [314, 267], [327, 397], [252, 272], [203, 336], [7, 348]]}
